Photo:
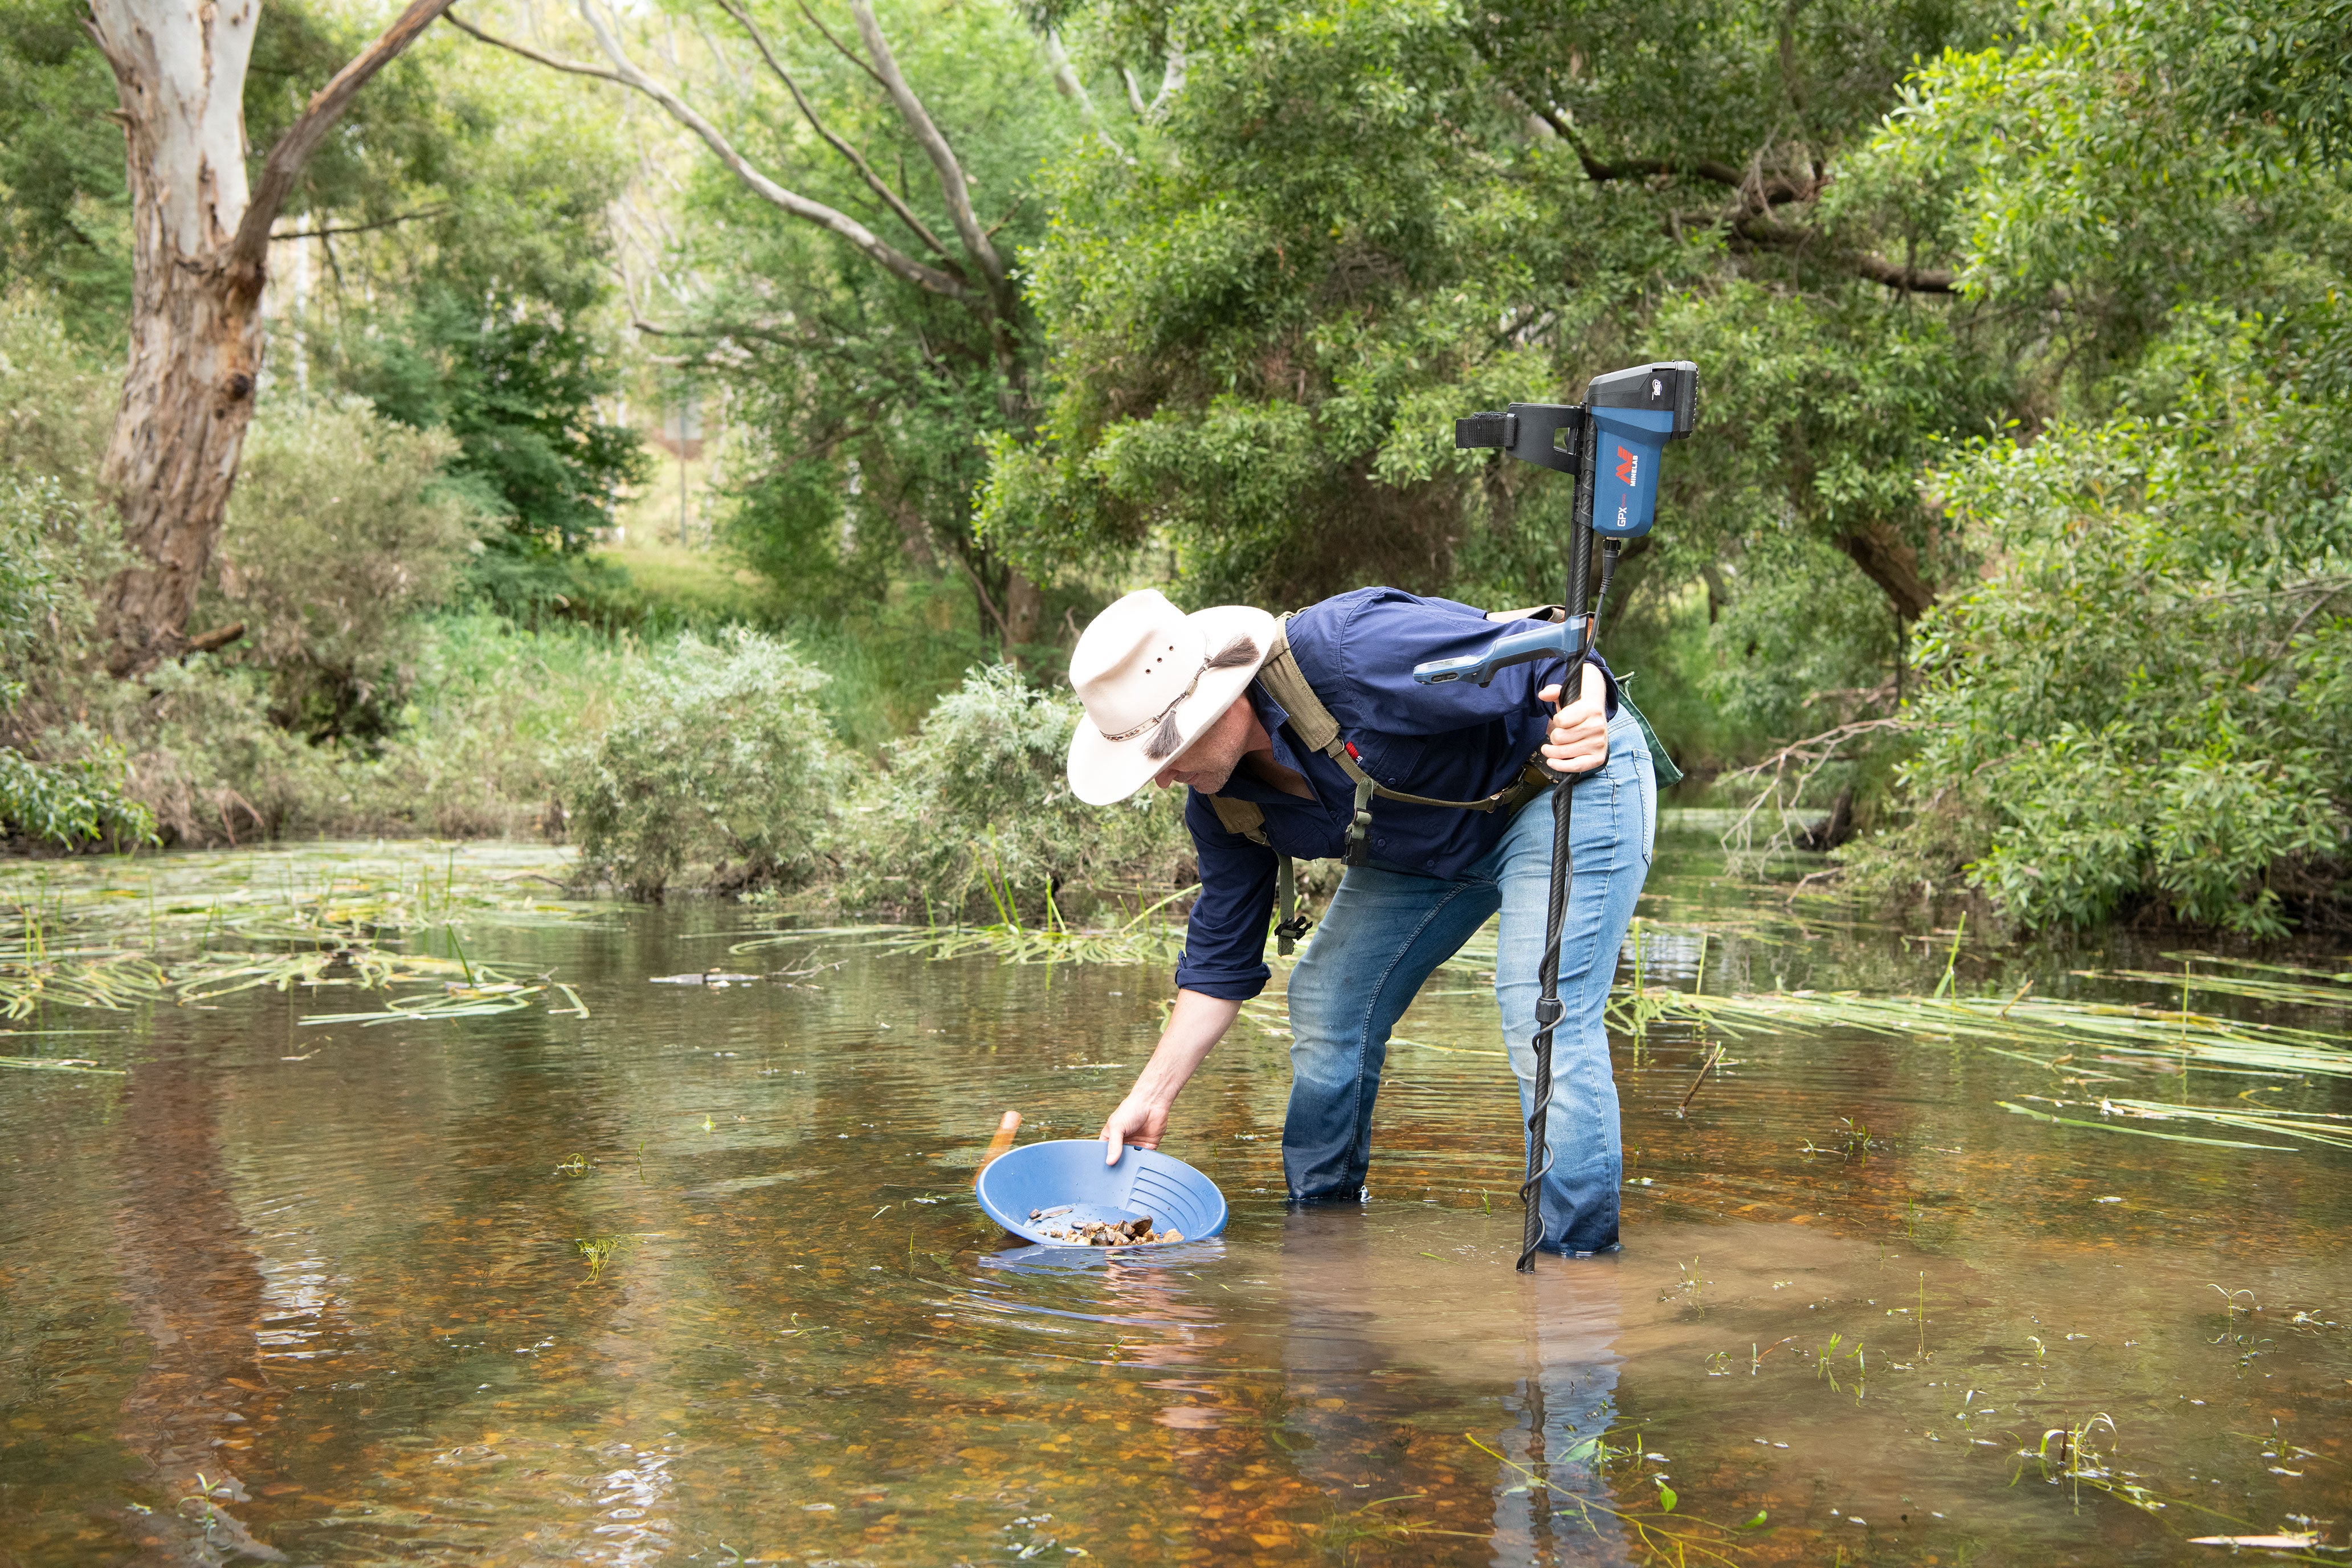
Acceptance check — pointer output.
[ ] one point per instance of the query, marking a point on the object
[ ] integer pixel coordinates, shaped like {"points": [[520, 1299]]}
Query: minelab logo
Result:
{"points": [[1628, 465]]}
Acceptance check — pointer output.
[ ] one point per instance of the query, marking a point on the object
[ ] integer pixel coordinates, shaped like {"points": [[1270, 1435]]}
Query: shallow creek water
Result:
{"points": [[339, 1274]]}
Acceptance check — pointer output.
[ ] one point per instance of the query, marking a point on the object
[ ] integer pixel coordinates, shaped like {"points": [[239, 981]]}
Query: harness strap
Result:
{"points": [[1247, 819], [1319, 730]]}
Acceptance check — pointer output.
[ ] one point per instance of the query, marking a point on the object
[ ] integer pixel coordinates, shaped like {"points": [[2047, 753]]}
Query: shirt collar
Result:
{"points": [[1245, 786], [1273, 715]]}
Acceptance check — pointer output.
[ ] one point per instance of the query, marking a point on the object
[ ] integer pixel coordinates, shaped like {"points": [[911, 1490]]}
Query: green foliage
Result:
{"points": [[860, 401], [1800, 646], [56, 395], [979, 796], [81, 801], [716, 753], [36, 594], [519, 394], [339, 534], [2085, 171], [65, 212], [72, 804], [1357, 223], [2145, 700]]}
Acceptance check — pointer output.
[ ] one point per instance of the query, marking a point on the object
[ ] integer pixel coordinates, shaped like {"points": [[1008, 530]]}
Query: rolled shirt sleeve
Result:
{"points": [[1225, 941]]}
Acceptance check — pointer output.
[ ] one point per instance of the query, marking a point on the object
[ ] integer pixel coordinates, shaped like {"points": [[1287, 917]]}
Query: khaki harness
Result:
{"points": [[1314, 726]]}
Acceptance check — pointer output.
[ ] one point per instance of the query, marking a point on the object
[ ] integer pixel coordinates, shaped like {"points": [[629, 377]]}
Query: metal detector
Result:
{"points": [[1612, 443]]}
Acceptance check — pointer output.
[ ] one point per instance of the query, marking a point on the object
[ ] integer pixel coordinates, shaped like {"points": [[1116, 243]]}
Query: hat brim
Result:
{"points": [[1104, 771]]}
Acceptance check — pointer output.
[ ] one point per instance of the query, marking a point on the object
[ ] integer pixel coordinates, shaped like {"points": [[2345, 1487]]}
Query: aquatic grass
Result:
{"points": [[2334, 992], [2122, 1030], [1659, 1531], [1147, 936], [60, 1064], [596, 1252], [2330, 1128], [191, 928]]}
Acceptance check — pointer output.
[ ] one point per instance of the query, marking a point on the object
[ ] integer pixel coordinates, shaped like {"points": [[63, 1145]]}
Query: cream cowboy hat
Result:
{"points": [[1151, 679]]}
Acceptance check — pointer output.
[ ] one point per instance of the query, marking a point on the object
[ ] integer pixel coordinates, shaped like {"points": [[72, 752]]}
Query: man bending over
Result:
{"points": [[1307, 737]]}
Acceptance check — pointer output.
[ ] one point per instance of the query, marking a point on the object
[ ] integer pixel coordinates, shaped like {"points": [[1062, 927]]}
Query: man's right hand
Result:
{"points": [[1137, 1120], [1194, 1026]]}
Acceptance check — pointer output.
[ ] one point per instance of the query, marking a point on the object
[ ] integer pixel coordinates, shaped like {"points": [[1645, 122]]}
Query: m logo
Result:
{"points": [[1628, 464]]}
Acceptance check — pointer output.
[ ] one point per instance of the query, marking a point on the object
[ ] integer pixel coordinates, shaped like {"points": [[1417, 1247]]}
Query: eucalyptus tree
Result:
{"points": [[200, 250]]}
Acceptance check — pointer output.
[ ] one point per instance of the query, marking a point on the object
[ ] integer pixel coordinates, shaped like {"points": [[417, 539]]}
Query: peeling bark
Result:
{"points": [[200, 253]]}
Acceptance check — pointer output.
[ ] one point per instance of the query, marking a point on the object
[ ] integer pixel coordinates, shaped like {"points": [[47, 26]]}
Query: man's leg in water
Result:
{"points": [[1611, 830], [1381, 936]]}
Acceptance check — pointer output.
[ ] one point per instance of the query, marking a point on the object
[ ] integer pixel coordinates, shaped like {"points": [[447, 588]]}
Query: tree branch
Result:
{"points": [[1758, 229], [952, 185], [874, 182], [573, 67], [333, 229], [980, 590], [851, 55], [1065, 77], [249, 252], [1760, 191], [890, 257]]}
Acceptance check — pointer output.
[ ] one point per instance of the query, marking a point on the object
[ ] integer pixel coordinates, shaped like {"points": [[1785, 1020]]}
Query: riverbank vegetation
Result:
{"points": [[2014, 528]]}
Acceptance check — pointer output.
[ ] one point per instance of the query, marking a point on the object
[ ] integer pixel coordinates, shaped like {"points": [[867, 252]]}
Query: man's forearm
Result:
{"points": [[1194, 1026]]}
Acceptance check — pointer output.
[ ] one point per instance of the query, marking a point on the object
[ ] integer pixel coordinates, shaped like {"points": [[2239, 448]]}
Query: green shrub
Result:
{"points": [[56, 397], [70, 804], [2145, 703], [979, 796], [716, 753], [341, 533], [36, 591]]}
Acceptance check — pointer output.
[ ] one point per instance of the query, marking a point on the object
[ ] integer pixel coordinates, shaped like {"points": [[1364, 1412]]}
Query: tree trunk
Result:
{"points": [[1894, 566], [195, 345], [1024, 604], [200, 253], [187, 402]]}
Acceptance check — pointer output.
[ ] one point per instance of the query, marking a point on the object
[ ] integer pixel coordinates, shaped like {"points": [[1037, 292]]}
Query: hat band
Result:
{"points": [[1165, 740], [1162, 715]]}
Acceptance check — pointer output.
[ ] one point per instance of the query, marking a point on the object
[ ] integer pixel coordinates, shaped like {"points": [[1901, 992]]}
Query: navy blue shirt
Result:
{"points": [[1455, 742]]}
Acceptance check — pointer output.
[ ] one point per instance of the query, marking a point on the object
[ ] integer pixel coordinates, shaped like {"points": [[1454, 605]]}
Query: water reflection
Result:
{"points": [[1355, 1304], [341, 1281]]}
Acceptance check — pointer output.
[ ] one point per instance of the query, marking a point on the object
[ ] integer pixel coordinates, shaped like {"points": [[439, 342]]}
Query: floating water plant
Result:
{"points": [[2137, 1034], [1672, 1539], [596, 1252], [195, 928]]}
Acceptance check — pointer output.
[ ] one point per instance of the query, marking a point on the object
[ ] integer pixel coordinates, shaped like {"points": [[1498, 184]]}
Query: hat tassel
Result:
{"points": [[1164, 740], [1168, 738]]}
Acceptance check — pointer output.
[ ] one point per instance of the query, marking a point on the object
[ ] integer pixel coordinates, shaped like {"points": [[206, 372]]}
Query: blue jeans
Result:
{"points": [[1387, 930]]}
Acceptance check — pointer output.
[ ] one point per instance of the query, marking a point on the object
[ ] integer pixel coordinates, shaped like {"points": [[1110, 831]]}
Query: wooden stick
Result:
{"points": [[1005, 1129], [1701, 1078]]}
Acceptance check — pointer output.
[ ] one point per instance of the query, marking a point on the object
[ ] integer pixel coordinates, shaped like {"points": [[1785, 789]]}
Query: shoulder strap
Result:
{"points": [[1317, 729], [1242, 816], [1555, 614]]}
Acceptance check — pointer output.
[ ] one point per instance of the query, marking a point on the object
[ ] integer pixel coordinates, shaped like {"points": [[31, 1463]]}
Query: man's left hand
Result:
{"points": [[1578, 741]]}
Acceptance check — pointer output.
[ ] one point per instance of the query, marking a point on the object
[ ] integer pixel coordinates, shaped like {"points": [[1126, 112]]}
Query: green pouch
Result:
{"points": [[1667, 772]]}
